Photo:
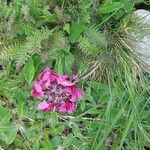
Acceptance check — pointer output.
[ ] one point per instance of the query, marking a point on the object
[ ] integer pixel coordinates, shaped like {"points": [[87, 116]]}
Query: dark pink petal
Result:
{"points": [[63, 80], [35, 94], [44, 75], [74, 92], [47, 76], [63, 107], [55, 106], [73, 98], [37, 87], [43, 105], [71, 107], [68, 107], [37, 90], [47, 83], [49, 107]]}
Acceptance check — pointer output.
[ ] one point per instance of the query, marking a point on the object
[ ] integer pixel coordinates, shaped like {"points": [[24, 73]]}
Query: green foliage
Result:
{"points": [[8, 130], [29, 71], [93, 41], [76, 37], [21, 53], [110, 7]]}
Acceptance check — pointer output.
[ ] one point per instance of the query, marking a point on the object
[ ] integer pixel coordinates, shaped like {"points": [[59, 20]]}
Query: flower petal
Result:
{"points": [[74, 92], [71, 107], [43, 105], [49, 107], [44, 75], [37, 90], [63, 107], [47, 75], [63, 80]]}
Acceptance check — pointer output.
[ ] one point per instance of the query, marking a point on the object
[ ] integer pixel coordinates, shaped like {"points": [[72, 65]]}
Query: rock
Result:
{"points": [[141, 38]]}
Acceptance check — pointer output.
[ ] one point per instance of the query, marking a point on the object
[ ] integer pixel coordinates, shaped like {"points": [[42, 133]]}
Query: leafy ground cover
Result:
{"points": [[85, 38]]}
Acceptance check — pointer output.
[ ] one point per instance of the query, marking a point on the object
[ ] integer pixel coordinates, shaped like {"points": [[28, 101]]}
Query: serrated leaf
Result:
{"points": [[29, 71], [110, 7], [75, 31], [69, 60]]}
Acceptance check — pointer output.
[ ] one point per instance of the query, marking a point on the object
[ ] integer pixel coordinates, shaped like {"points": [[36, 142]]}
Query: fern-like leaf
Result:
{"points": [[93, 41]]}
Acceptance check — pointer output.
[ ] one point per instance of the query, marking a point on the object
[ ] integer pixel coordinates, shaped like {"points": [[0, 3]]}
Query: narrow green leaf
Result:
{"points": [[60, 63], [47, 144], [110, 7], [82, 106]]}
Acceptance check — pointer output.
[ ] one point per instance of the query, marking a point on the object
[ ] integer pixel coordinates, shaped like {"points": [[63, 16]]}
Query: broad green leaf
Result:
{"points": [[128, 7], [37, 63], [110, 7], [21, 108], [8, 133], [11, 135], [68, 141], [56, 141], [1, 148], [4, 112], [54, 118], [76, 131], [57, 130], [36, 146], [8, 130], [21, 102], [29, 71]]}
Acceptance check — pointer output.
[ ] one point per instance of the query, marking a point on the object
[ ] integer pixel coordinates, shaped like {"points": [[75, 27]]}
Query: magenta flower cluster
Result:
{"points": [[58, 92]]}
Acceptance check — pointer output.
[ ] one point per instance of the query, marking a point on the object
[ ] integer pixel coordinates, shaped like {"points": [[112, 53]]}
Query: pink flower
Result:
{"points": [[74, 92], [47, 76], [58, 92], [43, 105], [68, 107], [37, 90], [63, 80]]}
